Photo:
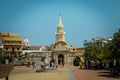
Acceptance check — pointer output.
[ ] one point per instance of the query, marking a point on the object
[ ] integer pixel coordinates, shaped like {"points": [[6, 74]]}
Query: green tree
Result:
{"points": [[114, 47], [0, 55], [87, 54], [106, 51], [94, 52], [76, 61], [111, 50]]}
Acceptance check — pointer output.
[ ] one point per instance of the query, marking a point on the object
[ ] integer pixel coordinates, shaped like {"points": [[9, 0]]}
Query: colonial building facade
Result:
{"points": [[11, 43], [61, 52]]}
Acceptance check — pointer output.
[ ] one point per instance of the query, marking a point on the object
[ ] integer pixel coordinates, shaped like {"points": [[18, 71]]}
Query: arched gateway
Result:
{"points": [[60, 46], [60, 59], [61, 52]]}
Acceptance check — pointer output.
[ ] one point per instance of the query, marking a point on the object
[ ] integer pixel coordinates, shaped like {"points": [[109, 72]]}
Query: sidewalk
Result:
{"points": [[24, 73]]}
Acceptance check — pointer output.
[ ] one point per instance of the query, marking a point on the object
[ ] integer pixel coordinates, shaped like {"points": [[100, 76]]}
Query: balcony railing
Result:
{"points": [[12, 44]]}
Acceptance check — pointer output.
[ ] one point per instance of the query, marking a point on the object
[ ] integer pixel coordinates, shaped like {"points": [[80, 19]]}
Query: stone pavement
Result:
{"points": [[66, 73], [24, 73], [82, 74]]}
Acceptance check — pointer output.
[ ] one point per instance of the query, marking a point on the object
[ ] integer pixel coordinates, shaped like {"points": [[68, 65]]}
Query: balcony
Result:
{"points": [[12, 44]]}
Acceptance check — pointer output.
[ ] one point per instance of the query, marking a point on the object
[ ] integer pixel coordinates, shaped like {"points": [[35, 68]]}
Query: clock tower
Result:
{"points": [[60, 34], [60, 48]]}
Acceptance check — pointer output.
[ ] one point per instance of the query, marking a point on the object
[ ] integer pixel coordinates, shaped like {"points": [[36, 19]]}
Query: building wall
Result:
{"points": [[11, 42], [60, 49], [68, 55]]}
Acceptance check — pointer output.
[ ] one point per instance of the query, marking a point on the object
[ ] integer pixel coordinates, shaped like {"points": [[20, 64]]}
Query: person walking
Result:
{"points": [[33, 64], [81, 64]]}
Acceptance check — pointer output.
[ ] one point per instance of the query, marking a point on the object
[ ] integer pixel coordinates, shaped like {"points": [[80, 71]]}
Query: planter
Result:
{"points": [[5, 70]]}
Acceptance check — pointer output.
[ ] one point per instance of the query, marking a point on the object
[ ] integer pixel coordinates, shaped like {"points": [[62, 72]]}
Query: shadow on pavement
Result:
{"points": [[107, 74], [102, 73]]}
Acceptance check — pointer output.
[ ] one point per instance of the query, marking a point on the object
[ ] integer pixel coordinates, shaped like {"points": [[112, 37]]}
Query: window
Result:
{"points": [[6, 48], [13, 49], [17, 48]]}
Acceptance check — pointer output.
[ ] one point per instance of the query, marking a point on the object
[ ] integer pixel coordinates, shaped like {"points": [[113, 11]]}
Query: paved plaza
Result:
{"points": [[66, 73]]}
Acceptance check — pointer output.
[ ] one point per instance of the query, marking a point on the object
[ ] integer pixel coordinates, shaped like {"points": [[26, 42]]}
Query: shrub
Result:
{"points": [[76, 61]]}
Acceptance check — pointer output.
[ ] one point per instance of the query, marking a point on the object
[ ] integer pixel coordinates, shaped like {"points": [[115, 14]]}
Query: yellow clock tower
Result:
{"points": [[60, 48], [60, 34], [60, 43]]}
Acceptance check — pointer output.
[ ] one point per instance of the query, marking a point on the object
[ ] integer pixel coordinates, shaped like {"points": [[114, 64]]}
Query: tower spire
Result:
{"points": [[60, 34], [59, 20]]}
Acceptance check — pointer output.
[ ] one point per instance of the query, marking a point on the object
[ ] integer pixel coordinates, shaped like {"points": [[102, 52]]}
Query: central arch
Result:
{"points": [[60, 59]]}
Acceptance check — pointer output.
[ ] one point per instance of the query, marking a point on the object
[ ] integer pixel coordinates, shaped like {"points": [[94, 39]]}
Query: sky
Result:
{"points": [[38, 19]]}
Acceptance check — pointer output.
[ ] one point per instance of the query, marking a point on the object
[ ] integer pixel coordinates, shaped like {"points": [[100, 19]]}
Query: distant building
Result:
{"points": [[26, 42], [11, 43], [101, 41], [35, 51], [27, 46]]}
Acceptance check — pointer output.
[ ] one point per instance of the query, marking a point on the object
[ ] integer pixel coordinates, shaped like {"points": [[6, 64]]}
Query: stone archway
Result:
{"points": [[60, 59]]}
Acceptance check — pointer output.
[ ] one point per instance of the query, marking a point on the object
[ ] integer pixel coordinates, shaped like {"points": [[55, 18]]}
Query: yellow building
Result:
{"points": [[12, 43]]}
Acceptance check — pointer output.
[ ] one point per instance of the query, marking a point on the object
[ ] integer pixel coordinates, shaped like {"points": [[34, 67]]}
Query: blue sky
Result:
{"points": [[38, 19]]}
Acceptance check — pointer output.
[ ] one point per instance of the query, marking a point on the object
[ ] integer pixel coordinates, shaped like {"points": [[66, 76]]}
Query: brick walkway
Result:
{"points": [[81, 74]]}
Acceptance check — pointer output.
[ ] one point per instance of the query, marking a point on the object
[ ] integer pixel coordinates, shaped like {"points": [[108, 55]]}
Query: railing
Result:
{"points": [[12, 44]]}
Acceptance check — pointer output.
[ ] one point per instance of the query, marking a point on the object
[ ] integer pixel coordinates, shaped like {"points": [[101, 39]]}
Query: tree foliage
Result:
{"points": [[93, 52], [76, 61], [114, 46], [111, 50]]}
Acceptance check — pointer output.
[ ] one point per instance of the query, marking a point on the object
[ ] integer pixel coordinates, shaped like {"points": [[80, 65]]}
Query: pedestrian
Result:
{"points": [[81, 64], [42, 63], [61, 64], [111, 64], [33, 64], [52, 64]]}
